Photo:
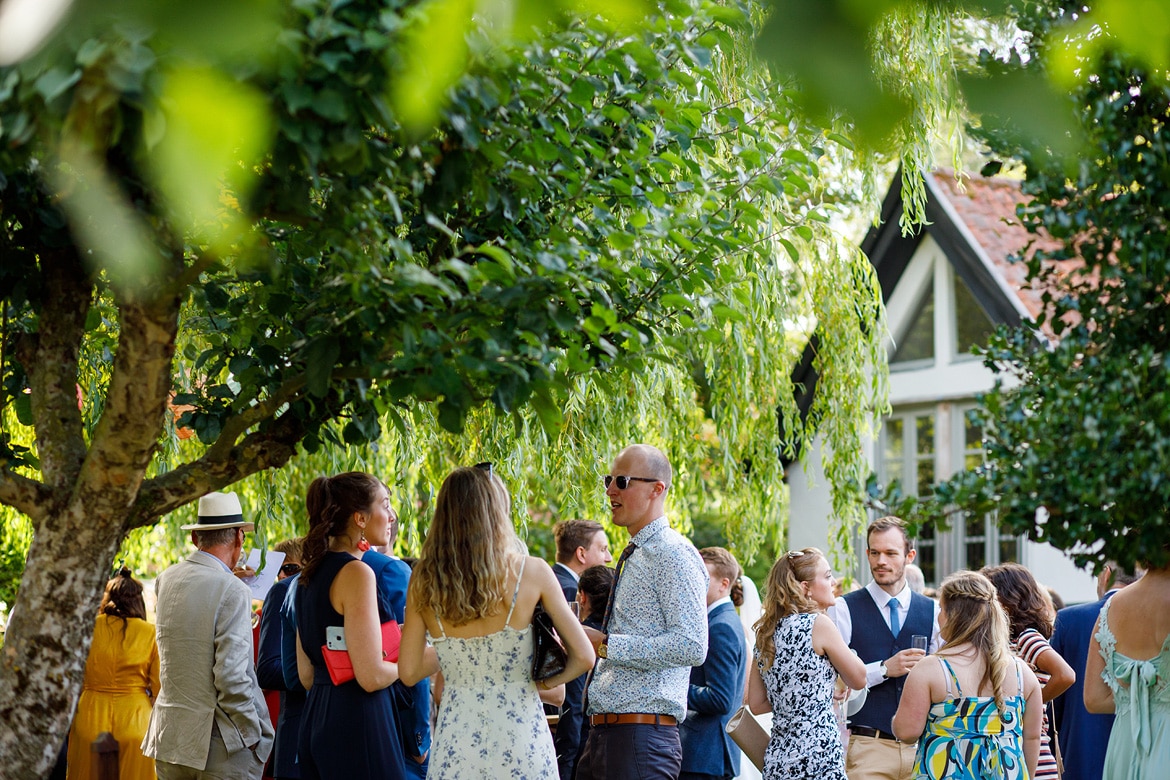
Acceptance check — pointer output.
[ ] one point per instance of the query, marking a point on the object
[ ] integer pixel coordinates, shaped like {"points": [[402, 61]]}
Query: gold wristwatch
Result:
{"points": [[603, 649]]}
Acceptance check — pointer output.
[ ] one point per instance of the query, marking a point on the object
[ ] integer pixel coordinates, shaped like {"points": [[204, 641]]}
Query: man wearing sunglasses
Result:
{"points": [[654, 631]]}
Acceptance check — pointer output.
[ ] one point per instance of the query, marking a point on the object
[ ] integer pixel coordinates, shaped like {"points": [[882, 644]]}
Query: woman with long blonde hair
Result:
{"points": [[799, 653], [973, 707], [474, 590]]}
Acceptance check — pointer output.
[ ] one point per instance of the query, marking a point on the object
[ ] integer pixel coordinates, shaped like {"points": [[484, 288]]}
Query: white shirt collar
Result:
{"points": [[883, 599], [717, 602]]}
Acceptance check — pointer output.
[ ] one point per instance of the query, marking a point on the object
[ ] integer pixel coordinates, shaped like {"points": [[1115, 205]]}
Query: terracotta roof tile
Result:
{"points": [[987, 207]]}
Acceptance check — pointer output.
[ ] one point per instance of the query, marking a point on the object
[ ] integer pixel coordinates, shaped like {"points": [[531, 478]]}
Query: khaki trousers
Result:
{"points": [[870, 758], [221, 765]]}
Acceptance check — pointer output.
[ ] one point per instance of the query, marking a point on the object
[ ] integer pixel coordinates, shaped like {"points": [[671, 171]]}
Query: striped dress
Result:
{"points": [[1029, 646]]}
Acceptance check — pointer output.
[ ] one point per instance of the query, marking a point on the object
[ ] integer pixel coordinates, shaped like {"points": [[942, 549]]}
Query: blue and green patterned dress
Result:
{"points": [[967, 738]]}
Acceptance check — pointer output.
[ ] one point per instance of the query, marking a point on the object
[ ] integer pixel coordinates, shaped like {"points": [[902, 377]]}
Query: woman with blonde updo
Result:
{"points": [[799, 653], [475, 590], [976, 710]]}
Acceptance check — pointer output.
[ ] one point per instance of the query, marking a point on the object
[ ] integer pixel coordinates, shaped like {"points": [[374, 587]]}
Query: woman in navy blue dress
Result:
{"points": [[348, 730]]}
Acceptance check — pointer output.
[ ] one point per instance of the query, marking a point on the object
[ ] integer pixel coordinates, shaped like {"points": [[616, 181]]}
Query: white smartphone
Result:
{"points": [[335, 638]]}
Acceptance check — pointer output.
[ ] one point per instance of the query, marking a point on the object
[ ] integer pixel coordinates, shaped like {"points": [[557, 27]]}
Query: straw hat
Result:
{"points": [[219, 510]]}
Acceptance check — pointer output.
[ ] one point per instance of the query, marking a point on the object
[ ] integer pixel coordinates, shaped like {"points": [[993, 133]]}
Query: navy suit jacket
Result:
{"points": [[270, 675], [715, 693], [414, 722], [566, 580], [568, 738], [1083, 736]]}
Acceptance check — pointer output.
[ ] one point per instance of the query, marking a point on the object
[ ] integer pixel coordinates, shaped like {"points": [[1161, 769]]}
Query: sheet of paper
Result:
{"points": [[262, 582]]}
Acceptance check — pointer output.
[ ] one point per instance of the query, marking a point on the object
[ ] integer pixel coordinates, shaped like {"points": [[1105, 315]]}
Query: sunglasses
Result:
{"points": [[484, 466], [289, 569], [623, 481]]}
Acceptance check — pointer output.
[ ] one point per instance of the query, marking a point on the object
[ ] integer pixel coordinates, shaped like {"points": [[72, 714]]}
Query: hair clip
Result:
{"points": [[795, 553]]}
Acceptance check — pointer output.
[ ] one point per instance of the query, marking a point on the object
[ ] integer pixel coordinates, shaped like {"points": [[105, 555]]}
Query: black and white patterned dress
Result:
{"points": [[805, 743]]}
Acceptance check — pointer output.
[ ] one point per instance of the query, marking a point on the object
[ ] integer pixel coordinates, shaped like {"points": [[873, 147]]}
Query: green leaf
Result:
{"points": [[319, 360], [56, 81]]}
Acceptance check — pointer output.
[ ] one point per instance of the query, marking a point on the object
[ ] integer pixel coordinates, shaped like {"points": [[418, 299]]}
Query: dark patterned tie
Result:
{"points": [[617, 575]]}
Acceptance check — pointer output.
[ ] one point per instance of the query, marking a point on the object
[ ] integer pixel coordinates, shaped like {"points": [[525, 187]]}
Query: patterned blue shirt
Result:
{"points": [[658, 629]]}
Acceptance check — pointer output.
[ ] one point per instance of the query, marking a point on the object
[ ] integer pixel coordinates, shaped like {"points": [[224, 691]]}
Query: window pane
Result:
{"points": [[925, 476], [976, 555], [926, 562], [924, 427], [927, 559], [975, 526], [972, 325], [1009, 549], [918, 341], [973, 435], [893, 440]]}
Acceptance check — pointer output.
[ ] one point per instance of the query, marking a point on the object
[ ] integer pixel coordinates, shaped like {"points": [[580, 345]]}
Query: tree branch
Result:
{"points": [[235, 426], [24, 495], [258, 451]]}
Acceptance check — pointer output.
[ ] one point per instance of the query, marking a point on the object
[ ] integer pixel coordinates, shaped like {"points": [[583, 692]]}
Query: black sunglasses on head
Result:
{"points": [[289, 569], [623, 481], [484, 466]]}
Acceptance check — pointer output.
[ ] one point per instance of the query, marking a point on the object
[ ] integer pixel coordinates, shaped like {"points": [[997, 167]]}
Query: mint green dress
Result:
{"points": [[1139, 745]]}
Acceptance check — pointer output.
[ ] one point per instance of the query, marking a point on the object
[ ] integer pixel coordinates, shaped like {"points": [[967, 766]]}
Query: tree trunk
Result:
{"points": [[48, 638], [82, 513]]}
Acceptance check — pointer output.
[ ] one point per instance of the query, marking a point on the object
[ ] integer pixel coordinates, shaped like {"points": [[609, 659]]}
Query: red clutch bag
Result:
{"points": [[341, 667]]}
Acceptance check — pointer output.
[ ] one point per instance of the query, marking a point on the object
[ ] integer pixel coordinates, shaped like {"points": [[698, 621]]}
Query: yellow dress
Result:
{"points": [[121, 675]]}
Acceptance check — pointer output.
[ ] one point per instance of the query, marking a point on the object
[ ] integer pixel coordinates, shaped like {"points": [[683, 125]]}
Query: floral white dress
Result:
{"points": [[805, 743], [491, 723]]}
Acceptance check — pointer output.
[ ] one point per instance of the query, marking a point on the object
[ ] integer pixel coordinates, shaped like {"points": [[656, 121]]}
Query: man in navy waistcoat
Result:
{"points": [[878, 623]]}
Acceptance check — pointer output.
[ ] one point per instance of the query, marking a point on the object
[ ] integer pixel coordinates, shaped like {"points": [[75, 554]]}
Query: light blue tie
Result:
{"points": [[895, 622]]}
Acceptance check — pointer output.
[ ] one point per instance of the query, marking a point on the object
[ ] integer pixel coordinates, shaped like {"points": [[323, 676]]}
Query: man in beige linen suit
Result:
{"points": [[210, 719]]}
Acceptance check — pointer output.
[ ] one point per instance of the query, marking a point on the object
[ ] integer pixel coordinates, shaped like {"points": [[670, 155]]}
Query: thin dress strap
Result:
{"points": [[951, 673], [439, 620], [515, 593]]}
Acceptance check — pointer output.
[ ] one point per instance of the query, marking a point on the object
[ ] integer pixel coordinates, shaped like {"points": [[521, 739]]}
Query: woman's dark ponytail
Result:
{"points": [[330, 502]]}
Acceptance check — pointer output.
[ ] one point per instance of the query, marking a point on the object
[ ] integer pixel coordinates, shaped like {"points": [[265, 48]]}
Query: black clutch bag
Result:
{"points": [[548, 654]]}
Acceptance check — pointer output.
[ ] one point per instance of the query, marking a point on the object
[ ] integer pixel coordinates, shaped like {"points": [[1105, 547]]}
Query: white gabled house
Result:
{"points": [[945, 289]]}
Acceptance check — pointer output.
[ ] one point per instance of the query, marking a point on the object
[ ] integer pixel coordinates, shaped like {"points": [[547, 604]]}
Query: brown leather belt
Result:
{"points": [[866, 731], [627, 718]]}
